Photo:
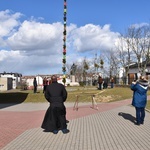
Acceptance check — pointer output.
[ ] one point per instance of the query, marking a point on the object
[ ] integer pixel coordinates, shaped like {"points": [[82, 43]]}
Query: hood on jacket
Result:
{"points": [[143, 82]]}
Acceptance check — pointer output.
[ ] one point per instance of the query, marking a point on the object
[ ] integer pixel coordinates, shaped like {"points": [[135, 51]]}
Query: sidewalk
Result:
{"points": [[109, 128]]}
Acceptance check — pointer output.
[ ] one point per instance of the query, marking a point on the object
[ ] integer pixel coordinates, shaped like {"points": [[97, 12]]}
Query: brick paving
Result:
{"points": [[109, 128]]}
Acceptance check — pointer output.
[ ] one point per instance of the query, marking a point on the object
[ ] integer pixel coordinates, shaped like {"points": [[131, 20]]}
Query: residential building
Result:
{"points": [[134, 73], [5, 84], [15, 77]]}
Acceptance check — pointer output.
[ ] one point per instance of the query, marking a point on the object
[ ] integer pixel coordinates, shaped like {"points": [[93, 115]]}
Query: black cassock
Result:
{"points": [[55, 116]]}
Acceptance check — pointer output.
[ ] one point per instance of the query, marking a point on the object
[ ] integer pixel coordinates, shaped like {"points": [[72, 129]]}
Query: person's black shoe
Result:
{"points": [[65, 131], [67, 121], [138, 124], [46, 130], [142, 122], [55, 131]]}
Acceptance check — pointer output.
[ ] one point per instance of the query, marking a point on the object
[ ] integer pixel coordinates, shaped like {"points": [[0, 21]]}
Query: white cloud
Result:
{"points": [[9, 60], [91, 37], [8, 54], [140, 25], [37, 38], [16, 61], [36, 48], [8, 22]]}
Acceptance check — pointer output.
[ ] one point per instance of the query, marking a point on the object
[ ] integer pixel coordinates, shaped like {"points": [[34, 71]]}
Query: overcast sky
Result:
{"points": [[31, 31]]}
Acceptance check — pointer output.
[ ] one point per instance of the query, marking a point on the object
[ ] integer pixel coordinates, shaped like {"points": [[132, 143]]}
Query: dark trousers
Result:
{"points": [[44, 88], [99, 86], [112, 85], [140, 114], [35, 89]]}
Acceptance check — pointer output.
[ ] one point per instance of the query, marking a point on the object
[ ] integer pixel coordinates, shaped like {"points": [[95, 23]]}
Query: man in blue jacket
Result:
{"points": [[139, 100]]}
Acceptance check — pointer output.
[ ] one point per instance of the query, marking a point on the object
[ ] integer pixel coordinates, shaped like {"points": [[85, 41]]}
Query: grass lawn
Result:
{"points": [[84, 93], [148, 105]]}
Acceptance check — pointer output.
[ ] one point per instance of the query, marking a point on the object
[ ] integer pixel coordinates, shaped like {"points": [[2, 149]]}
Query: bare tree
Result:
{"points": [[85, 68], [96, 65], [140, 44], [134, 47], [81, 70], [146, 47], [112, 61], [124, 54]]}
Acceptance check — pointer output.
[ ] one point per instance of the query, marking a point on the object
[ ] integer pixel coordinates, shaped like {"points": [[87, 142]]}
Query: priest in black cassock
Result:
{"points": [[55, 117]]}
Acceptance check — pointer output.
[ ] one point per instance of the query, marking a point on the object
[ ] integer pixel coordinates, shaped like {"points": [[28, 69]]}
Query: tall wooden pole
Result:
{"points": [[64, 42]]}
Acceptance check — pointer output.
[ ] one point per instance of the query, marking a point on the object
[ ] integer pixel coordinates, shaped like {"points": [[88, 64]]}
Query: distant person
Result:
{"points": [[49, 82], [112, 82], [35, 85], [45, 83], [55, 117], [139, 100], [73, 69], [105, 84], [100, 81]]}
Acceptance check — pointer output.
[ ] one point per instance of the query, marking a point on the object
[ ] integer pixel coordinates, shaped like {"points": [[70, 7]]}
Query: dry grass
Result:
{"points": [[148, 105], [84, 93], [106, 95]]}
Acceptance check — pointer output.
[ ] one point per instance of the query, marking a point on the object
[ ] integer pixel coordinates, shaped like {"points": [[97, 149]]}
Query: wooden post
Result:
{"points": [[94, 103], [76, 103]]}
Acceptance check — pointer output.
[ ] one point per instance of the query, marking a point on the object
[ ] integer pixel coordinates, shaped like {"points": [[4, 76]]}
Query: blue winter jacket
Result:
{"points": [[139, 94]]}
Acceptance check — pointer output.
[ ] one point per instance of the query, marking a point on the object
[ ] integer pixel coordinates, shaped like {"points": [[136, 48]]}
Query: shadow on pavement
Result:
{"points": [[9, 99], [127, 116]]}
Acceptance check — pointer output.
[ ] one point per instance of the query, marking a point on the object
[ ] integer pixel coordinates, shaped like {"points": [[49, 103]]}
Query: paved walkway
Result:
{"points": [[109, 128]]}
